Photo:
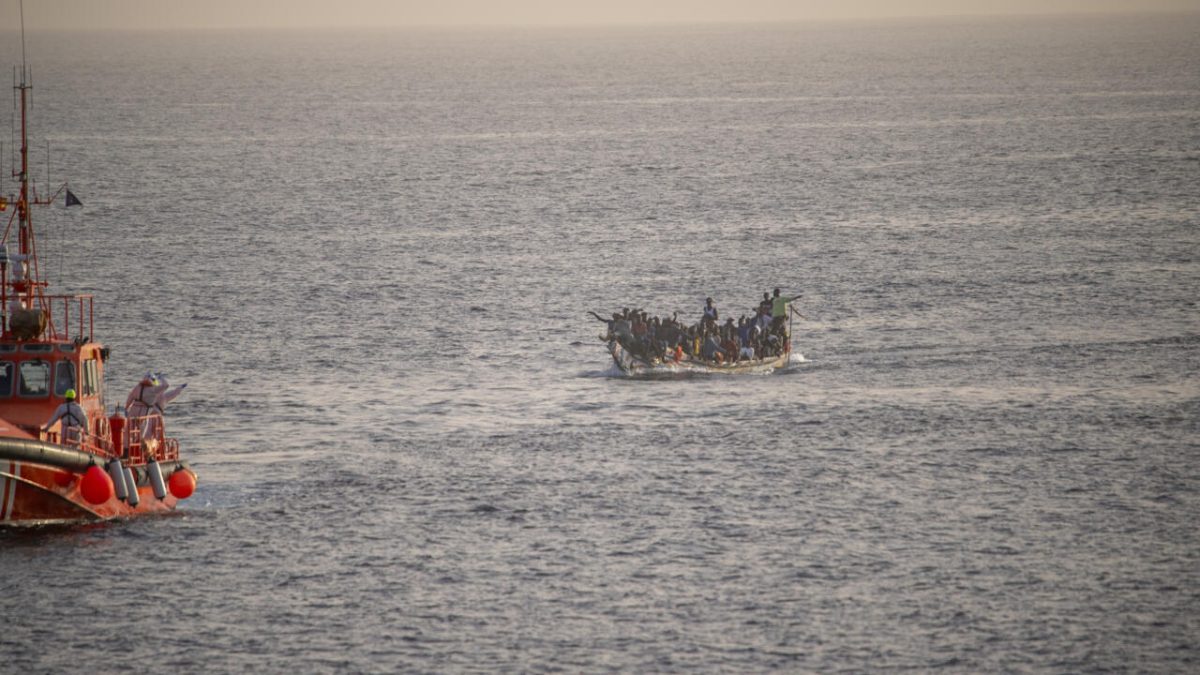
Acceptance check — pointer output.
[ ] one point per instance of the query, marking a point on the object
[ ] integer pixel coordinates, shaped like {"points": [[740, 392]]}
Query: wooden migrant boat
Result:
{"points": [[632, 364]]}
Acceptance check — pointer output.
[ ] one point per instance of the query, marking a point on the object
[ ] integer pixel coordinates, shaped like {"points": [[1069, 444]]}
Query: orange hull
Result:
{"points": [[35, 494]]}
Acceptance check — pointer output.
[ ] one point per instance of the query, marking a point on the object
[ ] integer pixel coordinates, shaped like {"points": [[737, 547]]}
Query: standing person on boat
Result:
{"points": [[779, 309], [74, 420], [710, 314], [158, 409], [146, 401], [765, 305], [144, 395]]}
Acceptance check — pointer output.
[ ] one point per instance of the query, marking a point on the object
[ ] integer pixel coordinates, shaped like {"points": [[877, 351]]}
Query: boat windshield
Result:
{"points": [[35, 378], [64, 377]]}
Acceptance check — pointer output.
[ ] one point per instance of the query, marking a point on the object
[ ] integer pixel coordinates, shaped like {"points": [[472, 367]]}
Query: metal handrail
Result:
{"points": [[158, 446], [131, 445], [84, 313], [88, 442]]}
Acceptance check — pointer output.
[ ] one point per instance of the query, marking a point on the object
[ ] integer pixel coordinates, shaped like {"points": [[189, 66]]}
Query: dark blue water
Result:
{"points": [[370, 255]]}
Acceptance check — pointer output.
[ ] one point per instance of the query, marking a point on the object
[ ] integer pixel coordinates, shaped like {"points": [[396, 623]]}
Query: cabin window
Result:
{"points": [[35, 378], [91, 378], [40, 347], [64, 377], [6, 378]]}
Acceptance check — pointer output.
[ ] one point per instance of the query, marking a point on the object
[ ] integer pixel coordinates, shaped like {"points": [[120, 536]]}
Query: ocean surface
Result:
{"points": [[370, 255]]}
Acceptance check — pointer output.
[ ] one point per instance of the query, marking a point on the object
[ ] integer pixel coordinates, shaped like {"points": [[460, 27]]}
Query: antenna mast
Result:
{"points": [[24, 286], [26, 312], [22, 38]]}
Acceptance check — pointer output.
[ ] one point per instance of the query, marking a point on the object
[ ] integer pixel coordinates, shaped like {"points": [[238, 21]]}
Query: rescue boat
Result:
{"points": [[115, 467]]}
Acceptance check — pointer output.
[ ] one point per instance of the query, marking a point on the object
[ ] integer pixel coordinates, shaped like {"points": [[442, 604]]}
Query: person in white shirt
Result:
{"points": [[149, 399]]}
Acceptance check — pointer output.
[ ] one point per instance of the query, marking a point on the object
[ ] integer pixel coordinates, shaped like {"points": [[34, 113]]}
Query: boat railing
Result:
{"points": [[85, 441], [146, 438], [76, 313]]}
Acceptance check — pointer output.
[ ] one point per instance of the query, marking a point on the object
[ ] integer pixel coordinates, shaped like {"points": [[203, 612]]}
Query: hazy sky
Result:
{"points": [[143, 14]]}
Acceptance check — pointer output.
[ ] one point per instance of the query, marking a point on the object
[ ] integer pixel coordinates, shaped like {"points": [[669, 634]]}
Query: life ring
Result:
{"points": [[102, 429]]}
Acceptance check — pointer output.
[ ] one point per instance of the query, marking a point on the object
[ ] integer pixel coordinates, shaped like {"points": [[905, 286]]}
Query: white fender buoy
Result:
{"points": [[133, 491], [116, 471], [156, 479]]}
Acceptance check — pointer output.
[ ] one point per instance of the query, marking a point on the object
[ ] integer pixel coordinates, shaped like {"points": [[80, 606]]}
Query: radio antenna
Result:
{"points": [[22, 40]]}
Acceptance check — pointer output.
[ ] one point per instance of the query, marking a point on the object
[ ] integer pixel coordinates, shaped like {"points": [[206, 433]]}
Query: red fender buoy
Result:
{"points": [[182, 483], [96, 487]]}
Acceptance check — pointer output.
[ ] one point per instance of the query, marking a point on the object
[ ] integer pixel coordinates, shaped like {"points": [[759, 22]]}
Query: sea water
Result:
{"points": [[370, 255]]}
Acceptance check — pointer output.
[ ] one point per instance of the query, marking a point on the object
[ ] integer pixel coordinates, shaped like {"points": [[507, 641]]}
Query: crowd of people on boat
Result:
{"points": [[654, 339]]}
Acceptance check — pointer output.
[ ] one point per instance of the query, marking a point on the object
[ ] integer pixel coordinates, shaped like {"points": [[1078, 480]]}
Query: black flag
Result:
{"points": [[72, 200]]}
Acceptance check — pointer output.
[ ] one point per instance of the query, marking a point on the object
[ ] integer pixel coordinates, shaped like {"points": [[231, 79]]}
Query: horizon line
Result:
{"points": [[650, 23]]}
